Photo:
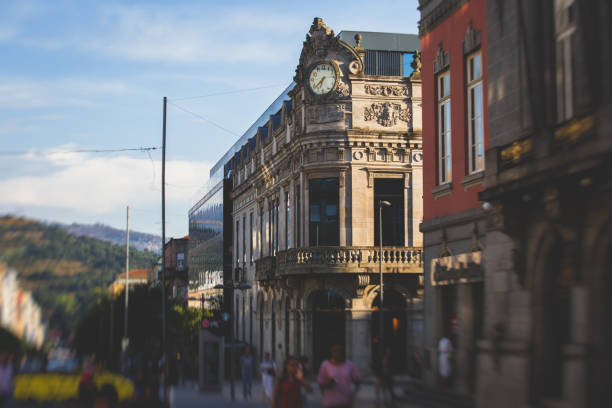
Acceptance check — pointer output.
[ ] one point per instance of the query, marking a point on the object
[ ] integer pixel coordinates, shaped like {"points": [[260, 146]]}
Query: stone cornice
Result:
{"points": [[438, 14]]}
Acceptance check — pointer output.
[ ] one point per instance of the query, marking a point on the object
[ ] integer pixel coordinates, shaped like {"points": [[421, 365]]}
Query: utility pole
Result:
{"points": [[126, 337], [163, 267]]}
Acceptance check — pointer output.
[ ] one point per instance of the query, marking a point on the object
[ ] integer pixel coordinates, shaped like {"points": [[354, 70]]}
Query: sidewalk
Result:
{"points": [[184, 397]]}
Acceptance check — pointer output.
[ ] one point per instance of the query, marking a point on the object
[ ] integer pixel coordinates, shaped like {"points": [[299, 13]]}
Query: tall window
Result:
{"points": [[270, 235], [324, 226], [276, 215], [391, 190], [237, 242], [261, 232], [287, 218], [565, 28], [444, 128], [244, 239], [475, 125], [251, 237], [298, 220]]}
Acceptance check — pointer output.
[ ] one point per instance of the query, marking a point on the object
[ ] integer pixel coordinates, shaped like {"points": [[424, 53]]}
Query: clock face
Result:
{"points": [[322, 78]]}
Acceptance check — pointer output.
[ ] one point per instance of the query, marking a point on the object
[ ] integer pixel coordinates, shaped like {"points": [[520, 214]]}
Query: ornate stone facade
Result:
{"points": [[338, 148]]}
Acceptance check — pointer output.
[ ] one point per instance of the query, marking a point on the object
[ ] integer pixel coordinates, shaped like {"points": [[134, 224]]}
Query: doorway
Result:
{"points": [[328, 321], [394, 329]]}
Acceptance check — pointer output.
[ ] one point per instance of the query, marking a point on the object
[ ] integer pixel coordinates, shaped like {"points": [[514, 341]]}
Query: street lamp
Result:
{"points": [[240, 286], [381, 204]]}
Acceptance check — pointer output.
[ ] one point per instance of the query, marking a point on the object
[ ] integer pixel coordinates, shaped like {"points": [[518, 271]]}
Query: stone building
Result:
{"points": [[455, 135], [306, 188], [548, 188]]}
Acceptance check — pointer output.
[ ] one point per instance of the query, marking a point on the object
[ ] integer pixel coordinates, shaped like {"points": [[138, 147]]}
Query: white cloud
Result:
{"points": [[16, 93], [98, 185]]}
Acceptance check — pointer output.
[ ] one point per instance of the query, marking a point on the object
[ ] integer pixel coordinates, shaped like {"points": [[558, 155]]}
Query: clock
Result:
{"points": [[322, 78]]}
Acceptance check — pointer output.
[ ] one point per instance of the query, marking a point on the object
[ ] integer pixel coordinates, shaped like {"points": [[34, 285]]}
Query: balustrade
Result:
{"points": [[340, 260]]}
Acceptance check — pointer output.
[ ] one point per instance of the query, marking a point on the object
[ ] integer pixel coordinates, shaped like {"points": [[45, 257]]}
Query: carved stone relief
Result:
{"points": [[342, 90], [386, 114], [386, 90]]}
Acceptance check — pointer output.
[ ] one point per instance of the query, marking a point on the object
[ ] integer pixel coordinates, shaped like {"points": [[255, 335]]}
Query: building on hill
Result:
{"points": [[304, 194], [176, 268], [19, 312], [136, 277]]}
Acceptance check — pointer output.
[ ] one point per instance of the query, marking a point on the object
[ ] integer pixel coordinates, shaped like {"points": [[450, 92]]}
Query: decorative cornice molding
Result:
{"points": [[386, 90], [438, 14]]}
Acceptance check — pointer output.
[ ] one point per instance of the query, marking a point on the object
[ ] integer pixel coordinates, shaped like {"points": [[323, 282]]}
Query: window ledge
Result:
{"points": [[472, 179], [442, 190]]}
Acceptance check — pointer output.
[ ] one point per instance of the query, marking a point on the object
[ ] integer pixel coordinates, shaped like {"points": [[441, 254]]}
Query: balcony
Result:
{"points": [[331, 260]]}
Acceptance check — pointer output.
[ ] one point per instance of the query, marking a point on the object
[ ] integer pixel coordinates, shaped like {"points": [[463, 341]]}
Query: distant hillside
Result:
{"points": [[63, 271], [138, 240]]}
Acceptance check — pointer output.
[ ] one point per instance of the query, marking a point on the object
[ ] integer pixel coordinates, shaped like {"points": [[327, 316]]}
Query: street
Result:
{"points": [[185, 396]]}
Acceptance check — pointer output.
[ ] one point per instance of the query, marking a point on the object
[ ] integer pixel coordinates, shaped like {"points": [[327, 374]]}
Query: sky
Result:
{"points": [[79, 75]]}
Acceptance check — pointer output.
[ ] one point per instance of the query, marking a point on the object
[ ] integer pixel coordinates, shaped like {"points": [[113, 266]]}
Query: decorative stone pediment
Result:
{"points": [[442, 60], [320, 43], [471, 41]]}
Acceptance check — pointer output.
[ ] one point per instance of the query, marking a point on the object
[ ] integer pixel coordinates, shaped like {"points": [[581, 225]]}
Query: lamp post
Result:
{"points": [[381, 338], [231, 288]]}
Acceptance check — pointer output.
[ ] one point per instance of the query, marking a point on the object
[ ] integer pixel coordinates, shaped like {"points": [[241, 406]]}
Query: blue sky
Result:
{"points": [[91, 74]]}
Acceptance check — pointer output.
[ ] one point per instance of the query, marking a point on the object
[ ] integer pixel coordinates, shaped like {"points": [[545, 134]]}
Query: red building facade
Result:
{"points": [[455, 137]]}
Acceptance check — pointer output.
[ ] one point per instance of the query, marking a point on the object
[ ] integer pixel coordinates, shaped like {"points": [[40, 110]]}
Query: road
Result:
{"points": [[187, 397]]}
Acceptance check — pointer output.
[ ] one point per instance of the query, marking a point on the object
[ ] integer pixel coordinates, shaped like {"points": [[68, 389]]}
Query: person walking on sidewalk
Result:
{"points": [[246, 369], [267, 367], [288, 388], [445, 356], [337, 376]]}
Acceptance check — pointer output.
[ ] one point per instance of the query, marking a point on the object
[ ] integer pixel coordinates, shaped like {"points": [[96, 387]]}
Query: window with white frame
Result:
{"points": [[565, 28], [444, 128], [475, 118]]}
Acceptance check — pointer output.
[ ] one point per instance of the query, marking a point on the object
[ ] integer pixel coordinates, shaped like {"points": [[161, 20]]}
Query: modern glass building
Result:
{"points": [[206, 219]]}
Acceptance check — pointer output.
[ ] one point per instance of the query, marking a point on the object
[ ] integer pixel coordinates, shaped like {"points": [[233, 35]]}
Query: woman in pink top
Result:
{"points": [[336, 378]]}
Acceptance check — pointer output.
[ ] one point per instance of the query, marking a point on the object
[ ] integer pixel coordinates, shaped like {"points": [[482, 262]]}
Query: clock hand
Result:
{"points": [[320, 84]]}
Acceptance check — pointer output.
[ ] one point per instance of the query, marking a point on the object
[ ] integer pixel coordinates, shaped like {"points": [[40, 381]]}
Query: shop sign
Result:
{"points": [[462, 268]]}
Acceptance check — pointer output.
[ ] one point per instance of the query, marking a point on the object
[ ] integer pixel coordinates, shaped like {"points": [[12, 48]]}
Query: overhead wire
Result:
{"points": [[52, 152], [228, 92], [204, 119]]}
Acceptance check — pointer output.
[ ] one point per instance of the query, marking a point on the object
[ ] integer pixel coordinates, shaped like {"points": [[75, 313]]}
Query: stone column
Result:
{"points": [[464, 338], [358, 336], [417, 198], [342, 206], [408, 209]]}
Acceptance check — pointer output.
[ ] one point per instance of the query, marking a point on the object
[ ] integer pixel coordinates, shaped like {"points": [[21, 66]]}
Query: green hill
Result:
{"points": [[62, 270]]}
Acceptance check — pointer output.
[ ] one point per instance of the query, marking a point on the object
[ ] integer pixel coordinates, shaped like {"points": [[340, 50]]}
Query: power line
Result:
{"points": [[203, 118], [227, 92], [48, 153]]}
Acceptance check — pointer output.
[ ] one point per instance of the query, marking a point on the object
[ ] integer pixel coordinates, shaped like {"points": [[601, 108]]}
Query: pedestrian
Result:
{"points": [[337, 377], [387, 374], [246, 369], [6, 379], [445, 355], [267, 367], [377, 374], [288, 388]]}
